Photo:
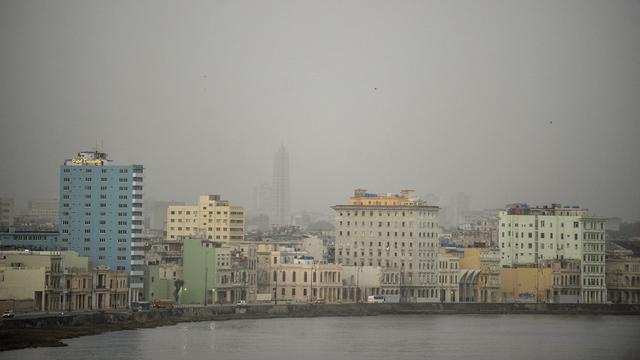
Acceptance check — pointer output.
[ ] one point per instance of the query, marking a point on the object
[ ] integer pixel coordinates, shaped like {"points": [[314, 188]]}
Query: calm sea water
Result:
{"points": [[380, 337]]}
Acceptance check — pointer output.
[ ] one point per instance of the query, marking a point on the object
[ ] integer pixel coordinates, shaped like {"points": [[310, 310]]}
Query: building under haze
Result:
{"points": [[280, 189], [212, 218], [533, 236], [101, 214], [6, 212], [398, 233]]}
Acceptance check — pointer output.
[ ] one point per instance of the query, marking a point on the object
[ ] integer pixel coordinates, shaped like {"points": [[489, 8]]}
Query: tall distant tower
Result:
{"points": [[280, 188]]}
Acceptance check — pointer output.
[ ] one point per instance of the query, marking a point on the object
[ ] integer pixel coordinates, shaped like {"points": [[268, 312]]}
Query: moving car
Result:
{"points": [[8, 314], [375, 299]]}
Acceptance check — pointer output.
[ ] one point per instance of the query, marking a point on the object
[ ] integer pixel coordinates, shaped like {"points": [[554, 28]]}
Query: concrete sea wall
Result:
{"points": [[185, 314]]}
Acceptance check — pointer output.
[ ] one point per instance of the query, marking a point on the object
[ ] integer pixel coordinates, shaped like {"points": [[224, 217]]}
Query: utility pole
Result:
{"points": [[357, 283], [206, 270]]}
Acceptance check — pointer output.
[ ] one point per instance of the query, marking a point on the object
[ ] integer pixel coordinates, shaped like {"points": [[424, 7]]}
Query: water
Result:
{"points": [[380, 337]]}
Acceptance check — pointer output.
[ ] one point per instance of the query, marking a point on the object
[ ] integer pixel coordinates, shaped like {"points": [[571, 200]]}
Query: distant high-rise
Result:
{"points": [[6, 212], [101, 214], [280, 188], [262, 199]]}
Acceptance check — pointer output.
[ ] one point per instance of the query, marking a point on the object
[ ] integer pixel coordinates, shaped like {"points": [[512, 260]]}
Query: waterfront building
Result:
{"points": [[280, 189], [449, 274], [60, 281], [306, 280], [360, 282], [487, 261], [396, 232], [212, 218], [218, 272], [528, 236], [7, 212], [101, 214], [162, 282], [286, 274], [526, 284], [623, 275]]}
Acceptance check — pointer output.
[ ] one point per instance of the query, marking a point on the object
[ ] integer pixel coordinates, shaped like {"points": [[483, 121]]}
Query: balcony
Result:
{"points": [[137, 253], [137, 244], [136, 273], [137, 262]]}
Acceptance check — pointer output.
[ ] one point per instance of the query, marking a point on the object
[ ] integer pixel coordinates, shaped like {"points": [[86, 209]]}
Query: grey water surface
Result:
{"points": [[378, 337]]}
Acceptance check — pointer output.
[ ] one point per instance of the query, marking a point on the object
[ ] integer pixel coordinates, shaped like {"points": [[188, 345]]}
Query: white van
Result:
{"points": [[375, 299]]}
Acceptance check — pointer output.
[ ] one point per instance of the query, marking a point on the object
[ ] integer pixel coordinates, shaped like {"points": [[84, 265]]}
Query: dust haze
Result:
{"points": [[535, 101]]}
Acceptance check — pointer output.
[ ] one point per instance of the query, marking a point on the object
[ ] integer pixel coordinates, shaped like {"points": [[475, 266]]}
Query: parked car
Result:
{"points": [[8, 314], [241, 303]]}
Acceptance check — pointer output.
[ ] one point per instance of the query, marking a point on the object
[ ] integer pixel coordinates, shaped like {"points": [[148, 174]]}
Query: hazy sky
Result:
{"points": [[531, 101]]}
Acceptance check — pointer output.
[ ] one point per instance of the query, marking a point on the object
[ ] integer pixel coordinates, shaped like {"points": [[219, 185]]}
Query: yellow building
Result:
{"points": [[487, 261], [213, 218], [527, 284]]}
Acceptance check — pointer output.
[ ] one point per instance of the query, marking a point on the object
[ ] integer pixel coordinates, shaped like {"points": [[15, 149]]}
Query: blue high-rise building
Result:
{"points": [[101, 214]]}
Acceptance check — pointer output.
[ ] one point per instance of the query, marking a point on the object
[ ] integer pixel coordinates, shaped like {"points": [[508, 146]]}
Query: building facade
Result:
{"points": [[61, 281], [280, 189], [623, 279], [212, 218], [101, 214], [398, 233], [30, 240], [487, 261], [529, 236], [7, 212], [218, 272]]}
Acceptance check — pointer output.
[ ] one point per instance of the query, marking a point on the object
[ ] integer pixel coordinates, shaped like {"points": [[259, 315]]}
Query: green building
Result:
{"points": [[161, 282], [199, 271]]}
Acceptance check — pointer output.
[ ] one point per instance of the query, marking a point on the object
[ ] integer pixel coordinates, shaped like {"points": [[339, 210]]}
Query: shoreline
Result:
{"points": [[49, 330]]}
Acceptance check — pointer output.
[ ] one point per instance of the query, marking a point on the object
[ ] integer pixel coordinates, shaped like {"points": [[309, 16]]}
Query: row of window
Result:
{"points": [[389, 213], [395, 234], [90, 170]]}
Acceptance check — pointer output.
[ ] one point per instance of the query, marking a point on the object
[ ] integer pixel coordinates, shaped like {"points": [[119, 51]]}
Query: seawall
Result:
{"points": [[48, 330]]}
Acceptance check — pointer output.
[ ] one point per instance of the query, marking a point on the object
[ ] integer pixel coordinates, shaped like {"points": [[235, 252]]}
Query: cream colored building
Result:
{"points": [[307, 281], [213, 218], [288, 275], [623, 279], [360, 282], [61, 281], [236, 273], [449, 274], [397, 232], [529, 236]]}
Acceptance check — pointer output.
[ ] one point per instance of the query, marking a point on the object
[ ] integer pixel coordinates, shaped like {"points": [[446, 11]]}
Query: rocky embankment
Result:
{"points": [[50, 329]]}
